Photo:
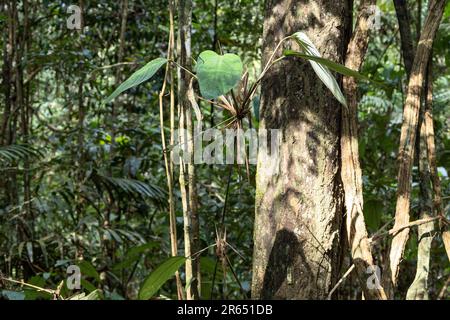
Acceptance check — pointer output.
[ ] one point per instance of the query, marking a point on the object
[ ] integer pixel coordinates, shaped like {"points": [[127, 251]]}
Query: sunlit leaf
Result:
{"points": [[320, 69], [333, 66], [217, 74]]}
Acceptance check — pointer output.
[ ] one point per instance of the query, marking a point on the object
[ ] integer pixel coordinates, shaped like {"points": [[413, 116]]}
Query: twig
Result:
{"points": [[222, 222], [29, 285], [379, 231], [196, 254], [346, 274], [119, 64], [235, 276], [409, 225], [181, 67]]}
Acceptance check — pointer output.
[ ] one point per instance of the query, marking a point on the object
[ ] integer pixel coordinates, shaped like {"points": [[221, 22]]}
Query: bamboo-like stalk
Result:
{"points": [[172, 141], [193, 201], [168, 163], [187, 170]]}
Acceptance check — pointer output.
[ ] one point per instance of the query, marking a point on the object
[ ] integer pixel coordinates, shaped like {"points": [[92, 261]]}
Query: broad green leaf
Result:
{"points": [[320, 69], [87, 269], [217, 74], [86, 285], [159, 276], [143, 74], [32, 293]]}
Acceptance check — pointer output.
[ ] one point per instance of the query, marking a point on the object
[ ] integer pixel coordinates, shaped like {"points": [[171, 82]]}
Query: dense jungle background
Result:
{"points": [[89, 183]]}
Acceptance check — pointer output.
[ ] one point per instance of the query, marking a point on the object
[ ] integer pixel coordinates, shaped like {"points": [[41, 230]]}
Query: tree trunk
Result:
{"points": [[419, 288], [408, 136], [351, 170], [25, 114], [405, 34], [299, 204]]}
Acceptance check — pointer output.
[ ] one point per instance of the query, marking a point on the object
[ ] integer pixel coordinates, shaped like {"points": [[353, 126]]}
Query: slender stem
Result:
{"points": [[395, 231], [28, 285], [168, 166], [269, 62], [182, 143], [341, 280], [181, 67]]}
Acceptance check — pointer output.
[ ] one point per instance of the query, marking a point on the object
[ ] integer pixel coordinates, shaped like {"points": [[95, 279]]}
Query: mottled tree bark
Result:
{"points": [[351, 170], [419, 288], [299, 201], [408, 135]]}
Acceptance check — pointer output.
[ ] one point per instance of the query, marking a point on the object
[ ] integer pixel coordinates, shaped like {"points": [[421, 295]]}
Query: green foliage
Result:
{"points": [[17, 152], [131, 187], [217, 74], [332, 65], [159, 276], [97, 180], [133, 255], [138, 77], [88, 270], [373, 211]]}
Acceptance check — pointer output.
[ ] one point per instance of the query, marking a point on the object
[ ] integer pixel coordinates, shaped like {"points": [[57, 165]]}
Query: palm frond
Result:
{"points": [[16, 152], [132, 187], [442, 97]]}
